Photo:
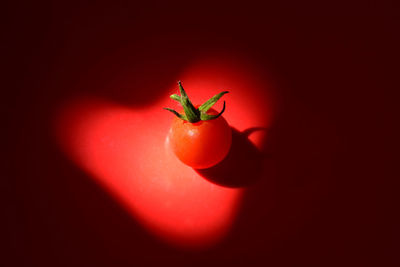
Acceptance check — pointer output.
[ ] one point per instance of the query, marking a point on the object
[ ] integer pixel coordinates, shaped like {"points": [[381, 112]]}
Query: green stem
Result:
{"points": [[193, 114]]}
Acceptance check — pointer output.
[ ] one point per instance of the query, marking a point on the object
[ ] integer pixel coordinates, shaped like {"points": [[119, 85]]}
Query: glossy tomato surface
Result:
{"points": [[202, 144]]}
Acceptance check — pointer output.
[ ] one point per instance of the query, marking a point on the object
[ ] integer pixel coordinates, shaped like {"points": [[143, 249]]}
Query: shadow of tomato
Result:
{"points": [[243, 164]]}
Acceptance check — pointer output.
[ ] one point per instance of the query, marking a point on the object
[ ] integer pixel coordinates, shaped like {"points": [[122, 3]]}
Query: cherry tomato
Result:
{"points": [[200, 137], [201, 144]]}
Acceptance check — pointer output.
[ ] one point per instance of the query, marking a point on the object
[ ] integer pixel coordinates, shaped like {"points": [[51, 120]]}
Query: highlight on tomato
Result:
{"points": [[200, 136]]}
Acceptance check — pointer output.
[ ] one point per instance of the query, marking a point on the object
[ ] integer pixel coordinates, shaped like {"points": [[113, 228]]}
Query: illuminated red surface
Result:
{"points": [[126, 151]]}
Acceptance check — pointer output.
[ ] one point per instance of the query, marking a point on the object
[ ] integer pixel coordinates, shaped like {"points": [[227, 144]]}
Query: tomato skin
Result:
{"points": [[202, 144]]}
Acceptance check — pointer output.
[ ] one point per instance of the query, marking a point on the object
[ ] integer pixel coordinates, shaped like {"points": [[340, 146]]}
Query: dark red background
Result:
{"points": [[333, 142]]}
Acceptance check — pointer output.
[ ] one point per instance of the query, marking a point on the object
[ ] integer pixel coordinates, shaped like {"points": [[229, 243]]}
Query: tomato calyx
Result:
{"points": [[192, 114]]}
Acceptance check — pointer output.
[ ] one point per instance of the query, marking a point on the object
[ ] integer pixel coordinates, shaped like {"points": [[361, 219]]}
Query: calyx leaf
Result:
{"points": [[210, 102], [181, 116], [205, 117]]}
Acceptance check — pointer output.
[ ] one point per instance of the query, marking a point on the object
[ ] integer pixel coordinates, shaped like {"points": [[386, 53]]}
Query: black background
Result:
{"points": [[336, 66]]}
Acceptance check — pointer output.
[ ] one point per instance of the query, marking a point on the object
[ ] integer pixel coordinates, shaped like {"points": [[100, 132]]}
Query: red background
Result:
{"points": [[335, 67]]}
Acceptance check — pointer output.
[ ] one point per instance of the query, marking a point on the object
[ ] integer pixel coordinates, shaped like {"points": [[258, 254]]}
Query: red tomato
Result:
{"points": [[200, 144], [200, 136]]}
